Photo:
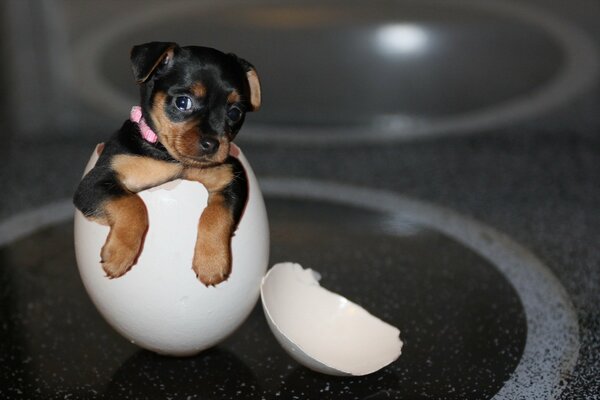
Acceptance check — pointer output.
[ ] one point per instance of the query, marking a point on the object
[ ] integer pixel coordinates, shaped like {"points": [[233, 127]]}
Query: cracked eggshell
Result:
{"points": [[159, 304], [323, 330]]}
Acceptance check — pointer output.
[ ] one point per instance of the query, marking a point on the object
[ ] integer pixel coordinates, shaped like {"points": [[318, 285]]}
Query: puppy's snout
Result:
{"points": [[209, 145]]}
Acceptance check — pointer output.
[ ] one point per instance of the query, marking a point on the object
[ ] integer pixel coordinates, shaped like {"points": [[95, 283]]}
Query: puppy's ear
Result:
{"points": [[253, 82], [147, 57]]}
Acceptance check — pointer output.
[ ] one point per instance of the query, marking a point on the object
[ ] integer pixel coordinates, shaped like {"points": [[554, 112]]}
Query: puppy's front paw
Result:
{"points": [[212, 263], [117, 257]]}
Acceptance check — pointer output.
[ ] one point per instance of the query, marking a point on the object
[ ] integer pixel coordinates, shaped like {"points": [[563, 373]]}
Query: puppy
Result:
{"points": [[193, 103]]}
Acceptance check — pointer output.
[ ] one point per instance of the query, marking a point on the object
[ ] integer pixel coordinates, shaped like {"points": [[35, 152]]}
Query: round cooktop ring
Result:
{"points": [[582, 63], [552, 343]]}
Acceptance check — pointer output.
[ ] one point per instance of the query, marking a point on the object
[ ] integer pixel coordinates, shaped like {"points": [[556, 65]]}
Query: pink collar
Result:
{"points": [[146, 132]]}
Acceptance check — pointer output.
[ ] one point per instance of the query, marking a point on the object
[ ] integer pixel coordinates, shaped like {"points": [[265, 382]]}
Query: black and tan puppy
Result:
{"points": [[193, 103]]}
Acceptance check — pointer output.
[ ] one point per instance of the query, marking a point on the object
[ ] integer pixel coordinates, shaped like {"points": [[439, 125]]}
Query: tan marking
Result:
{"points": [[182, 139], [128, 221], [223, 152], [212, 254], [99, 219], [137, 173], [198, 89], [164, 126], [234, 97], [214, 179], [254, 83]]}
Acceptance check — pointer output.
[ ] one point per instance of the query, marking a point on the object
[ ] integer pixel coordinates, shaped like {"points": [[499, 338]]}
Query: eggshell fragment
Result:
{"points": [[160, 304], [323, 330]]}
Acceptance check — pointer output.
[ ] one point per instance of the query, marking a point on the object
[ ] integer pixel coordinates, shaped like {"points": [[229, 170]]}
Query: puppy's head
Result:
{"points": [[194, 98]]}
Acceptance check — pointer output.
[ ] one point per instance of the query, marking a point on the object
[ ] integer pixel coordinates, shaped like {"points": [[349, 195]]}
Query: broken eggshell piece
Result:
{"points": [[323, 330]]}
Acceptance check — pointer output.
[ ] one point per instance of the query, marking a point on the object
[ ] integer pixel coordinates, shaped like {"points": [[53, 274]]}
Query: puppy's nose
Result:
{"points": [[209, 145]]}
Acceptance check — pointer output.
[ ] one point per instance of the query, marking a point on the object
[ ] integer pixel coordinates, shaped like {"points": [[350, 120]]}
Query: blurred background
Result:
{"points": [[488, 108]]}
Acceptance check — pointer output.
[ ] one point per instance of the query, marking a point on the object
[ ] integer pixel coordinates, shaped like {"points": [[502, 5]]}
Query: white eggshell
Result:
{"points": [[159, 304], [323, 330]]}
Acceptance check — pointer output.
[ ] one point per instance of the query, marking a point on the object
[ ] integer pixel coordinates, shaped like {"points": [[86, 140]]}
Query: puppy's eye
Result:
{"points": [[234, 114], [183, 103]]}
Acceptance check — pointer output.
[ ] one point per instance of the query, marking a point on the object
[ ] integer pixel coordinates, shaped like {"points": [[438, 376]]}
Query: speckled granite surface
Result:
{"points": [[463, 324], [537, 185], [536, 181]]}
